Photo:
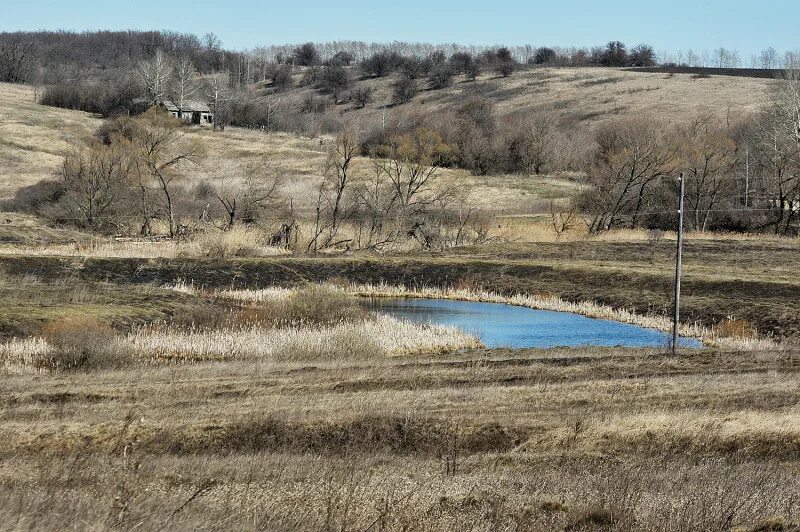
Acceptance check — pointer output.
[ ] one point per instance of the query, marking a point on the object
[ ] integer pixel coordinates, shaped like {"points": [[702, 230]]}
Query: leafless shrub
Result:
{"points": [[81, 344], [562, 219]]}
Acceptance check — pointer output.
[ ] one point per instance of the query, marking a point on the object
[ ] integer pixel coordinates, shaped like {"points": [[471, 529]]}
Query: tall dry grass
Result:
{"points": [[238, 242], [314, 322], [365, 338]]}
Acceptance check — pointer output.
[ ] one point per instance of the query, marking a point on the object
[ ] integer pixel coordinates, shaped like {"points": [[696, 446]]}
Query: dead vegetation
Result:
{"points": [[524, 440]]}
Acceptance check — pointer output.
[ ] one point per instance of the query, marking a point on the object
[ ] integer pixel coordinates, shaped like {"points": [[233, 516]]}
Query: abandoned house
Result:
{"points": [[191, 112]]}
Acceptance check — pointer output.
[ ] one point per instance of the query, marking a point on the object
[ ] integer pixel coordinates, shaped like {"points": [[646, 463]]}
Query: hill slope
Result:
{"points": [[34, 138], [586, 95]]}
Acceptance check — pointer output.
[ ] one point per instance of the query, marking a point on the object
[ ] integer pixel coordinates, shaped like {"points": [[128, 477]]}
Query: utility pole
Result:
{"points": [[747, 177], [678, 258]]}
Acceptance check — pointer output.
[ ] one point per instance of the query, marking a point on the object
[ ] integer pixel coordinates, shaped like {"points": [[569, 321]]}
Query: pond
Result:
{"points": [[500, 325]]}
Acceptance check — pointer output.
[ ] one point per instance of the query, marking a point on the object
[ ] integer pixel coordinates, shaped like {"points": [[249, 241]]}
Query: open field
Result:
{"points": [[580, 439]]}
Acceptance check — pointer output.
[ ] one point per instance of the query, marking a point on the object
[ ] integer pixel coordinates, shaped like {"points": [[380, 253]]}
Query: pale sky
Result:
{"points": [[746, 26]]}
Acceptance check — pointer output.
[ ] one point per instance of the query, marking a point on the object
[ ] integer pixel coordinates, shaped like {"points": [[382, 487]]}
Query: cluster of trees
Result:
{"points": [[479, 141], [128, 177], [147, 83], [526, 54], [51, 57], [768, 59], [402, 202], [132, 175], [742, 176]]}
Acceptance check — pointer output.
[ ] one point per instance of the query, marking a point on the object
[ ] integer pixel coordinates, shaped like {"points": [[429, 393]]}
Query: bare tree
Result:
{"points": [[563, 219], [93, 181], [160, 147], [534, 141], [246, 195], [707, 156], [218, 93], [779, 139], [184, 82], [786, 103], [411, 162], [155, 75], [329, 206], [629, 159]]}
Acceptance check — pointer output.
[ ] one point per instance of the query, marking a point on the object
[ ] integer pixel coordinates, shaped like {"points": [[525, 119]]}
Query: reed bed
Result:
{"points": [[382, 336], [19, 355], [219, 245], [365, 339]]}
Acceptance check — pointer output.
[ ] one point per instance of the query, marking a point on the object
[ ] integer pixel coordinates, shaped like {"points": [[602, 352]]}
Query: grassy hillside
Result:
{"points": [[34, 138], [587, 95]]}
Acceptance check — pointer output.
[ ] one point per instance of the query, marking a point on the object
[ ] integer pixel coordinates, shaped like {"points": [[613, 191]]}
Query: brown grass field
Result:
{"points": [[580, 439], [588, 96], [352, 435]]}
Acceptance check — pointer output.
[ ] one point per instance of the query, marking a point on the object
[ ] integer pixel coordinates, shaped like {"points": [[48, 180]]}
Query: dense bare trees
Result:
{"points": [[402, 202], [93, 181], [629, 159], [742, 175], [707, 156], [17, 60]]}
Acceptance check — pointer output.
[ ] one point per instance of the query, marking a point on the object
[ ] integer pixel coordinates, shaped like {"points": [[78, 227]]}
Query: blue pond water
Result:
{"points": [[500, 325]]}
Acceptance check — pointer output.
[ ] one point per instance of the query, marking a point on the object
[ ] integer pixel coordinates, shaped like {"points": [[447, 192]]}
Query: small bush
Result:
{"points": [[591, 519], [440, 77], [235, 242], [361, 96], [404, 90], [82, 344]]}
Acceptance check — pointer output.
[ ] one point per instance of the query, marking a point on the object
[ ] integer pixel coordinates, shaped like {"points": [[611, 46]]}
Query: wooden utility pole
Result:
{"points": [[678, 258]]}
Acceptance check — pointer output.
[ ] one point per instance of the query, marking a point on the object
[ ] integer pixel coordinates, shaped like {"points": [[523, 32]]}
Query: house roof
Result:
{"points": [[189, 106]]}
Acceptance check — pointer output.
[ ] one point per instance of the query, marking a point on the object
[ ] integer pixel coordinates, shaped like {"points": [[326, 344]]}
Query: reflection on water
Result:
{"points": [[500, 325]]}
